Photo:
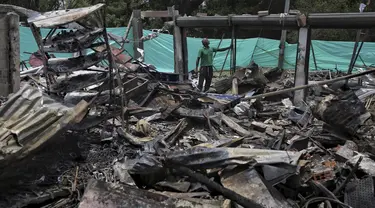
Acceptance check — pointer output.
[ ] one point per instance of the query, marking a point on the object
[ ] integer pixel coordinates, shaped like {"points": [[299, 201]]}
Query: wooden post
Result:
{"points": [[39, 41], [14, 52], [185, 69], [283, 38], [9, 54], [235, 86], [129, 26], [234, 50], [178, 47], [137, 33], [302, 66], [313, 53]]}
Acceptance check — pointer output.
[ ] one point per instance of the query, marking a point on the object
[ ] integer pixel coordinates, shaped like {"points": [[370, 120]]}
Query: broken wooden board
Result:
{"points": [[99, 194], [206, 158], [72, 41], [262, 127], [221, 101], [263, 13], [140, 89], [234, 126], [223, 85], [64, 65], [193, 113], [77, 82], [128, 137], [172, 136], [61, 17], [235, 86], [249, 184]]}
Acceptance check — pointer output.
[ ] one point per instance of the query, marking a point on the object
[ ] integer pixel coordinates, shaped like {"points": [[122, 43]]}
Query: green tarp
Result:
{"points": [[159, 51]]}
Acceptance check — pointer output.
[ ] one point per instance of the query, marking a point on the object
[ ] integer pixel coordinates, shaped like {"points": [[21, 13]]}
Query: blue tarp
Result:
{"points": [[159, 51]]}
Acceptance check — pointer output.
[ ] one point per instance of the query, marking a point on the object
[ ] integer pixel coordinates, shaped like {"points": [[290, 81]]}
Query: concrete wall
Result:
{"points": [[9, 54]]}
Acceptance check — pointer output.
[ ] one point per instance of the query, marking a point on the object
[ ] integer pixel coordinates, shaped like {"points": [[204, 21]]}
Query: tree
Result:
{"points": [[326, 6], [37, 5], [119, 11]]}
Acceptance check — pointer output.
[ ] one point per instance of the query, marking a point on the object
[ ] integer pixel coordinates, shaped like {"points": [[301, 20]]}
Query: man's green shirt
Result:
{"points": [[206, 55]]}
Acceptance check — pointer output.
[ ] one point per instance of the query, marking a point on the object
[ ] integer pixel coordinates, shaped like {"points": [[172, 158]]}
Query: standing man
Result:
{"points": [[205, 55], [363, 5]]}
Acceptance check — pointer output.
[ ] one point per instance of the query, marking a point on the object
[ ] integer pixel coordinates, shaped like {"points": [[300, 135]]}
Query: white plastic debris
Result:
{"points": [[287, 103], [194, 83], [242, 108]]}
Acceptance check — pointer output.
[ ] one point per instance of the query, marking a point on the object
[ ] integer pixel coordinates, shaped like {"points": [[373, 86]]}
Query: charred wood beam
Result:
{"points": [[341, 20], [14, 52], [302, 67], [283, 39], [271, 21], [241, 200], [146, 14], [180, 47], [137, 33], [138, 90], [283, 91], [57, 194], [276, 21]]}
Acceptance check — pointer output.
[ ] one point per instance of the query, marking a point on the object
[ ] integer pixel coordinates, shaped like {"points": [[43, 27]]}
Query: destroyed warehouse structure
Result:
{"points": [[108, 133]]}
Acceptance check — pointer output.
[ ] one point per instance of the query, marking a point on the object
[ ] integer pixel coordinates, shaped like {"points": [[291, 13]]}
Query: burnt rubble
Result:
{"points": [[114, 132], [183, 148]]}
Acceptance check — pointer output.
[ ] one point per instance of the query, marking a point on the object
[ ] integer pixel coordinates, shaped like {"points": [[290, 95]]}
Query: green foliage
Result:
{"points": [[38, 5], [326, 6], [225, 7], [118, 13]]}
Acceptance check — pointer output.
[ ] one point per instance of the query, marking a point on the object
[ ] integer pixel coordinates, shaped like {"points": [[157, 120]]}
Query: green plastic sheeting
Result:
{"points": [[159, 51]]}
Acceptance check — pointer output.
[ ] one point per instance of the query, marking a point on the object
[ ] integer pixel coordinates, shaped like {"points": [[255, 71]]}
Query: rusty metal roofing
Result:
{"points": [[62, 17], [29, 118]]}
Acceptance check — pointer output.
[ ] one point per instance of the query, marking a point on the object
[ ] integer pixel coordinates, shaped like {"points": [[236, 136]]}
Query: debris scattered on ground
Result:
{"points": [[125, 137]]}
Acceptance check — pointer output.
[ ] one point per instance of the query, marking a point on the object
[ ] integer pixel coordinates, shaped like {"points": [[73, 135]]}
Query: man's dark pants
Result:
{"points": [[205, 73]]}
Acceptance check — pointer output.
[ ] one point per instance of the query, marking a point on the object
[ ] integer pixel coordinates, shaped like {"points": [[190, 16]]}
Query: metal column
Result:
{"points": [[302, 65]]}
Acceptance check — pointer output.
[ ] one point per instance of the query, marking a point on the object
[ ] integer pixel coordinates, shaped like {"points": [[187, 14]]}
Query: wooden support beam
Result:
{"points": [[147, 14], [128, 29], [320, 83], [235, 86], [263, 13], [234, 50], [302, 65], [14, 52], [39, 41], [283, 38], [137, 33], [137, 90], [9, 54], [185, 69], [178, 44], [130, 84]]}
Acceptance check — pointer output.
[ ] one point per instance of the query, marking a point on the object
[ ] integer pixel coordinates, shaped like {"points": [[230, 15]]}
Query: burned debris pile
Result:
{"points": [[114, 132], [172, 146]]}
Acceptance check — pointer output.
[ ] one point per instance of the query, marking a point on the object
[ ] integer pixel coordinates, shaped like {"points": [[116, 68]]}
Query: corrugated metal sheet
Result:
{"points": [[29, 118], [62, 17]]}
